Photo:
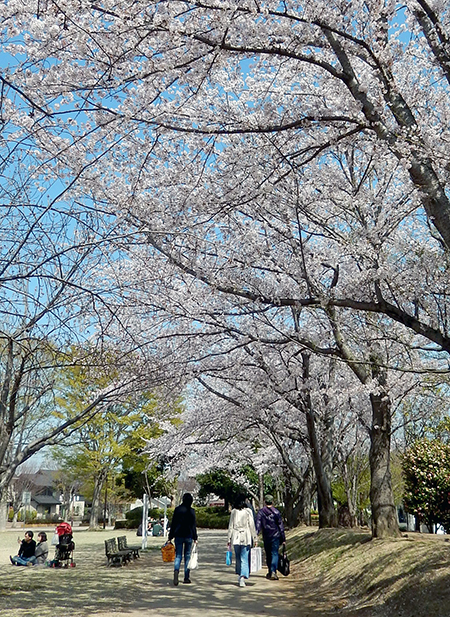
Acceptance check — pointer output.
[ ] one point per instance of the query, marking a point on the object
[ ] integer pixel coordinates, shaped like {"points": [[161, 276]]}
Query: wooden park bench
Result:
{"points": [[115, 556], [122, 543]]}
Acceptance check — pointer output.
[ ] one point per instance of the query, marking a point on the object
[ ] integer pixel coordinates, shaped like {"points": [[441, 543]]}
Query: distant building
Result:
{"points": [[46, 499], [215, 501], [46, 506]]}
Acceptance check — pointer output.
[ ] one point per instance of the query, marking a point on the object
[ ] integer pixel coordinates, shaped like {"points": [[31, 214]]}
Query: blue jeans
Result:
{"points": [[271, 546], [180, 544], [22, 561], [242, 552]]}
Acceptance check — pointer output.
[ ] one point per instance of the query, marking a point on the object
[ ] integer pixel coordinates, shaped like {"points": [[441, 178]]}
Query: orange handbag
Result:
{"points": [[168, 552]]}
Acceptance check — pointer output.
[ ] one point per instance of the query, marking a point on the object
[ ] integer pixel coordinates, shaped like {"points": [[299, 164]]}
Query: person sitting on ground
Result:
{"points": [[41, 553], [26, 554], [157, 529]]}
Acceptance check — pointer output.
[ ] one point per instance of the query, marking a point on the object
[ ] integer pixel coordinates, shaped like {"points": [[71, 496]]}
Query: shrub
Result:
{"points": [[49, 520], [212, 518], [29, 516], [426, 469], [134, 517], [207, 517]]}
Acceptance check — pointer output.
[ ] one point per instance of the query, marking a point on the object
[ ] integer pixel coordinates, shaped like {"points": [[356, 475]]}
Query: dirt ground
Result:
{"points": [[334, 572], [143, 587], [347, 571]]}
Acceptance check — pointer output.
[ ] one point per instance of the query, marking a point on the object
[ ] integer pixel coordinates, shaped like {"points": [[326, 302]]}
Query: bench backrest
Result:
{"points": [[122, 543], [110, 546]]}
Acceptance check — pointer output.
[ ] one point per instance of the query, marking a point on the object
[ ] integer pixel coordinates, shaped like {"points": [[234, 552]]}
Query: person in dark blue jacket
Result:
{"points": [[184, 529], [269, 521]]}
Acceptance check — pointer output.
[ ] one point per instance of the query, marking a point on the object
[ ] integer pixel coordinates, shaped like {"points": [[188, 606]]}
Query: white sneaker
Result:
{"points": [[241, 581]]}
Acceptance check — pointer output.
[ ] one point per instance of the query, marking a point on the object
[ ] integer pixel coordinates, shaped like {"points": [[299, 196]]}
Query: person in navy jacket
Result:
{"points": [[270, 523]]}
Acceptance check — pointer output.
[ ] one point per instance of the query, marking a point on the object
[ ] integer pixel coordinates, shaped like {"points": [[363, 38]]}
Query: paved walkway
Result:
{"points": [[145, 587], [214, 591]]}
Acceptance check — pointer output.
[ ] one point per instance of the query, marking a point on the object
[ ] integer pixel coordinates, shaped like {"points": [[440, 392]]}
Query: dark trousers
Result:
{"points": [[271, 546]]}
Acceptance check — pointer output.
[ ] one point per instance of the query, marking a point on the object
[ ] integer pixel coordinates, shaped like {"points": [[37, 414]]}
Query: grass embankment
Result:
{"points": [[405, 577]]}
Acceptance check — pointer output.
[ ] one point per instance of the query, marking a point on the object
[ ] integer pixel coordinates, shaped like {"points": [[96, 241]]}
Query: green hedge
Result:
{"points": [[207, 517], [212, 517], [134, 517]]}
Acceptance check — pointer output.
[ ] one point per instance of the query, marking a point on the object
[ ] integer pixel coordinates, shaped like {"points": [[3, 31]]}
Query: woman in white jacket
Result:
{"points": [[241, 534]]}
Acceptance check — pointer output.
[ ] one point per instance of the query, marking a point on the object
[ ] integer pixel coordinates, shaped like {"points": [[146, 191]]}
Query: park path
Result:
{"points": [[214, 591], [145, 587]]}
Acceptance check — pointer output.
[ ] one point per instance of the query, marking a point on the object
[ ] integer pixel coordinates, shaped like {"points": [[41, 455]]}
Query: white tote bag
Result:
{"points": [[255, 559], [193, 559]]}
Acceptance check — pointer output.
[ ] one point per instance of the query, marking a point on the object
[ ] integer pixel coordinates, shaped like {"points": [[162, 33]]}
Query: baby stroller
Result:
{"points": [[65, 547]]}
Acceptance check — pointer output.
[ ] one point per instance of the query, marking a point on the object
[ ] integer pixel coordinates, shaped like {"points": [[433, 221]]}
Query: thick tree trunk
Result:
{"points": [[290, 498], [384, 516], [292, 513], [261, 489], [305, 501], [327, 512], [293, 499]]}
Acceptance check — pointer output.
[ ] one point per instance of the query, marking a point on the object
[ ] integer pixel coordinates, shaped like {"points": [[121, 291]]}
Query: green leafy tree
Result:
{"points": [[220, 482], [100, 446], [442, 431], [351, 486], [140, 475], [426, 469]]}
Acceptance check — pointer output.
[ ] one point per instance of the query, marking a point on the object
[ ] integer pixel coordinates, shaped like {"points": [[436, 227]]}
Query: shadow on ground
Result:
{"points": [[145, 585], [334, 572]]}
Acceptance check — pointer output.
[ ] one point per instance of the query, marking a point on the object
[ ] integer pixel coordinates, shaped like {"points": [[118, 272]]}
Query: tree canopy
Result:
{"points": [[280, 176], [107, 445]]}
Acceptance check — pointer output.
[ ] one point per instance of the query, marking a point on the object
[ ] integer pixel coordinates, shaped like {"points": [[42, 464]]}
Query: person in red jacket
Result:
{"points": [[269, 521]]}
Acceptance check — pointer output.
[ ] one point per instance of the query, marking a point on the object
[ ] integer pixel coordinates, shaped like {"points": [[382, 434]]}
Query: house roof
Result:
{"points": [[41, 478], [45, 500]]}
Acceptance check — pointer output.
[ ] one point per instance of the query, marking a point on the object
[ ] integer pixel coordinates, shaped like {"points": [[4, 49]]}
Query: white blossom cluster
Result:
{"points": [[280, 174]]}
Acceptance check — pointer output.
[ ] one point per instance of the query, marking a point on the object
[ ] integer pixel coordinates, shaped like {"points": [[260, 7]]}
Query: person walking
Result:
{"points": [[241, 534], [184, 529], [269, 521], [26, 552]]}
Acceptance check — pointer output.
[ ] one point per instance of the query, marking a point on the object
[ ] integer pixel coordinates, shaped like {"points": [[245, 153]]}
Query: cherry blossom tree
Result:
{"points": [[265, 400], [279, 161]]}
